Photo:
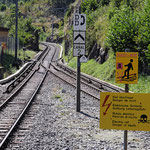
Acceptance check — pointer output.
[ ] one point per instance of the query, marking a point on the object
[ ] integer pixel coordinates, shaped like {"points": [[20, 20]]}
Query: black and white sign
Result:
{"points": [[79, 37], [79, 34], [83, 59], [78, 49], [79, 22]]}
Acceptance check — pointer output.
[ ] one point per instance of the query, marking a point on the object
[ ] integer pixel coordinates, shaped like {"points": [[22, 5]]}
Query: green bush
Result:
{"points": [[144, 27], [89, 5], [144, 34], [3, 7], [105, 2], [123, 30]]}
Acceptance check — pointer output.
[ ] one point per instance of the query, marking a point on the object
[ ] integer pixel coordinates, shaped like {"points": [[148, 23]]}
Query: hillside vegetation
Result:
{"points": [[115, 25], [118, 25], [35, 18], [112, 26]]}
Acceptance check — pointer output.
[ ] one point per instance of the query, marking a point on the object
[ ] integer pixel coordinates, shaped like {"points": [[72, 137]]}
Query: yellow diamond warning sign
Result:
{"points": [[127, 67], [125, 111]]}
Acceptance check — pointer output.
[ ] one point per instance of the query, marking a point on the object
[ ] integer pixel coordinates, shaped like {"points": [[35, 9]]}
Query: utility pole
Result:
{"points": [[16, 33]]}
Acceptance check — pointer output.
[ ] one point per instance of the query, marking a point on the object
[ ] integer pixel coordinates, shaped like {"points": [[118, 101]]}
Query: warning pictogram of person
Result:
{"points": [[129, 67]]}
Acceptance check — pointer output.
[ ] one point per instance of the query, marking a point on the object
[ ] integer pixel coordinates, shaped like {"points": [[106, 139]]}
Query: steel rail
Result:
{"points": [[20, 87], [87, 84], [16, 91], [22, 76], [92, 79], [22, 113], [74, 85], [73, 78], [3, 142]]}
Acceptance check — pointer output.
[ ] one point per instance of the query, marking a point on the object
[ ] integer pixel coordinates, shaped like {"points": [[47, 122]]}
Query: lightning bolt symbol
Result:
{"points": [[104, 104]]}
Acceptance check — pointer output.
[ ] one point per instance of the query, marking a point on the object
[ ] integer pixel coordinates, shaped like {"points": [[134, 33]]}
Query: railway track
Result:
{"points": [[89, 85], [16, 105], [15, 81], [34, 65]]}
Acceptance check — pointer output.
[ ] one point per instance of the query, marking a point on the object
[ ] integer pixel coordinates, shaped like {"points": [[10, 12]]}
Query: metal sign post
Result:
{"points": [[126, 131], [78, 84], [79, 27]]}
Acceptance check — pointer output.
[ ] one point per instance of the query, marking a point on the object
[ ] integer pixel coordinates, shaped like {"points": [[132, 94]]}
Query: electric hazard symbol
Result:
{"points": [[127, 67], [106, 105]]}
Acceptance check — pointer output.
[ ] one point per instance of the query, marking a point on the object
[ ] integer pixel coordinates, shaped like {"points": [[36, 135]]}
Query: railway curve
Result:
{"points": [[49, 69], [13, 108]]}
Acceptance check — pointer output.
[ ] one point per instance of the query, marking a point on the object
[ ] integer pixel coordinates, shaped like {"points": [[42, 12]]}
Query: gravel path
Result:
{"points": [[57, 125]]}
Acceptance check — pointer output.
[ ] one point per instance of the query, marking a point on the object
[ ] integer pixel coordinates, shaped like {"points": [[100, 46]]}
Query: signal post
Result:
{"points": [[79, 38]]}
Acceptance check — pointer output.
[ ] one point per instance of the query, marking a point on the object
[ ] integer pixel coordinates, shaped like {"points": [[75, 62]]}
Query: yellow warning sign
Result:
{"points": [[125, 111], [127, 67]]}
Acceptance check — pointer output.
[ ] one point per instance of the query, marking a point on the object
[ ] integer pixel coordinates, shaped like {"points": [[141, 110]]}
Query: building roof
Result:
{"points": [[4, 29]]}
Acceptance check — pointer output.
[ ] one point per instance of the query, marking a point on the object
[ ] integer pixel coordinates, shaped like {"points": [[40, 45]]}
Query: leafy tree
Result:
{"points": [[144, 33], [123, 30], [21, 3], [105, 2], [144, 29], [3, 7], [117, 3], [60, 3], [89, 5], [131, 29], [26, 32]]}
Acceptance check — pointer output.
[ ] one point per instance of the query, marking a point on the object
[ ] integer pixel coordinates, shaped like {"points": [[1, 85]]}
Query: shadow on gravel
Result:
{"points": [[89, 115]]}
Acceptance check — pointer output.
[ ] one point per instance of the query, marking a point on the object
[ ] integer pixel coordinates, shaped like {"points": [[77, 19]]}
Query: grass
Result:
{"points": [[57, 96], [28, 54], [143, 85], [102, 71], [106, 72], [8, 60]]}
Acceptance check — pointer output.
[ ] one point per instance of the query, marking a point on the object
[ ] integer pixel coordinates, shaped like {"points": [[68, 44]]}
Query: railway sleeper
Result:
{"points": [[11, 86], [9, 89], [23, 75], [21, 79], [100, 86]]}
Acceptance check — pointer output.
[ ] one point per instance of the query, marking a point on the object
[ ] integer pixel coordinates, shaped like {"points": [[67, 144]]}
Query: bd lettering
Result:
{"points": [[76, 20]]}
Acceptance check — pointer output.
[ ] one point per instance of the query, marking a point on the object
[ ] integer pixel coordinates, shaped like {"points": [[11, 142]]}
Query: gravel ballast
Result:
{"points": [[57, 125]]}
